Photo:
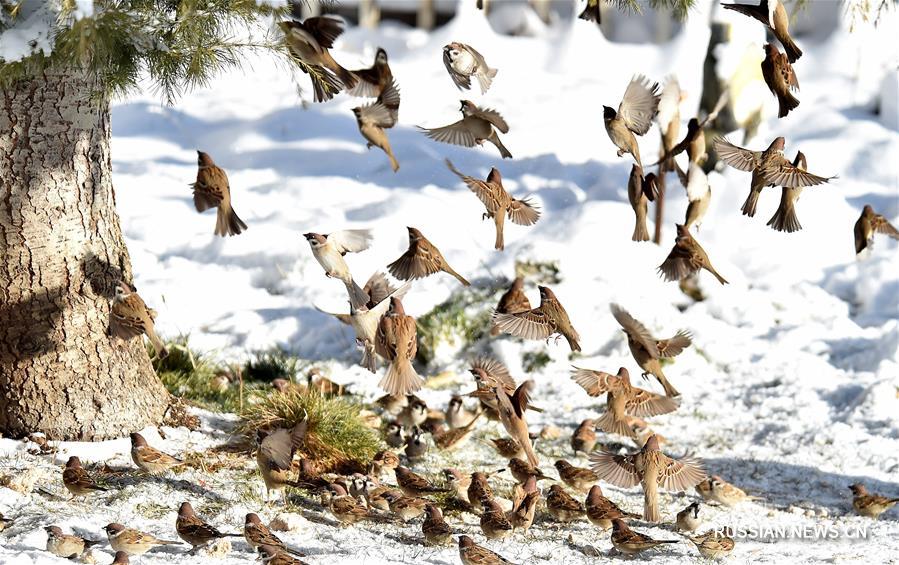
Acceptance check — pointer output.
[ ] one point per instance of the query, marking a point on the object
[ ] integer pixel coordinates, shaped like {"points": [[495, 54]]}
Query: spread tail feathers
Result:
{"points": [[227, 222], [401, 378]]}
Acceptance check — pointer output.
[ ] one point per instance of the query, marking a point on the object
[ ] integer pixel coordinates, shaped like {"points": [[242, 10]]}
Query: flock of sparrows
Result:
{"points": [[386, 333]]}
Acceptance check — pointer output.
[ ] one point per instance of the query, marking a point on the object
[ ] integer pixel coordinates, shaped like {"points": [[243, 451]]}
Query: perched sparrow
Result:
{"points": [[373, 80], [584, 437], [634, 116], [522, 514], [686, 257], [192, 529], [601, 511], [716, 489], [434, 527], [785, 218], [713, 544], [416, 446], [308, 42], [512, 301], [623, 399], [688, 519], [494, 523], [384, 461], [212, 190], [149, 459], [650, 468], [630, 542], [647, 350], [378, 116], [476, 126], [768, 168], [133, 542], [394, 434], [65, 545], [405, 507], [592, 12], [773, 14], [541, 322], [867, 225], [508, 448], [780, 78], [344, 507], [129, 316], [415, 413], [329, 249], [498, 202], [257, 534], [397, 342], [78, 481], [473, 554], [479, 489], [668, 118], [375, 495], [456, 415], [640, 191], [699, 194], [274, 555], [447, 439], [870, 505], [457, 482], [562, 506], [578, 478], [463, 62], [274, 456], [521, 470], [413, 484], [421, 260]]}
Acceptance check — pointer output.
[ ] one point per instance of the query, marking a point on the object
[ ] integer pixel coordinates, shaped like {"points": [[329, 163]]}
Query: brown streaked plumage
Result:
{"points": [[476, 126], [541, 322], [421, 260], [870, 505], [714, 544], [309, 42], [397, 342], [630, 542], [77, 480], [65, 545], [562, 506], [699, 194], [212, 190], [479, 489], [522, 470], [344, 507], [688, 519], [634, 116], [131, 541], [716, 489], [413, 484], [273, 555], [772, 14], [640, 191], [578, 478], [463, 62], [686, 257], [192, 529], [512, 411], [584, 437], [601, 511], [494, 523], [150, 459], [512, 301], [785, 218], [129, 317], [869, 223], [780, 78], [374, 79], [471, 553], [449, 439], [378, 116], [434, 527], [256, 533]]}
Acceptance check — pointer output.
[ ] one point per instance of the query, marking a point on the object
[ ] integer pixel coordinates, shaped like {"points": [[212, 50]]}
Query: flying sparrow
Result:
{"points": [[421, 260], [688, 519], [601, 511], [129, 317], [494, 523], [463, 62], [274, 456], [713, 544], [78, 481], [650, 468], [578, 478], [781, 79], [434, 527], [512, 301], [405, 507], [489, 374], [499, 202], [867, 225], [192, 529], [694, 141], [133, 542], [329, 249], [699, 194], [785, 218], [773, 14], [640, 191], [308, 42], [541, 322], [716, 489], [378, 116], [149, 459], [65, 545], [374, 79], [257, 534], [870, 505], [416, 447], [211, 190], [562, 506], [668, 118], [522, 470], [413, 484], [392, 404], [686, 257], [512, 415], [630, 542], [365, 322], [634, 116], [592, 12], [273, 555], [397, 342], [471, 553], [584, 437], [476, 126]]}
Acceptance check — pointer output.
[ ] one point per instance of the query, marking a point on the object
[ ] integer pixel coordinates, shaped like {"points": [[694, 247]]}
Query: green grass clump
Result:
{"points": [[463, 318], [271, 364], [534, 361], [539, 272]]}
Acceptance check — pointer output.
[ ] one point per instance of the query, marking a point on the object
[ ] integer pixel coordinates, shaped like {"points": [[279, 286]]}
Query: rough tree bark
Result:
{"points": [[63, 252]]}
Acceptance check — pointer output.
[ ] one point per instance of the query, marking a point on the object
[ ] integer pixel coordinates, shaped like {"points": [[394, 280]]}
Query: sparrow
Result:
{"points": [[212, 190], [192, 529], [601, 511], [630, 542], [668, 117], [584, 437], [471, 553], [647, 350], [694, 141], [699, 195], [392, 403], [785, 218], [456, 415], [149, 459], [309, 477], [562, 506], [623, 400], [512, 416], [365, 322], [129, 316], [522, 514], [434, 527], [541, 322], [373, 80], [274, 456], [489, 374], [273, 555], [521, 470], [463, 62], [374, 495], [508, 448], [499, 202], [413, 484], [867, 225], [415, 413], [132, 542], [415, 445], [688, 519], [476, 126], [421, 260], [394, 434], [713, 544], [4, 522], [773, 14], [768, 168], [329, 249], [378, 116], [686, 257], [479, 489], [257, 534], [397, 342], [640, 192], [405, 507], [120, 558], [384, 461], [494, 523], [457, 483], [308, 42], [652, 469], [65, 545], [448, 439], [716, 489], [867, 504], [578, 478], [781, 79], [344, 507], [78, 481], [512, 301], [592, 12], [634, 116]]}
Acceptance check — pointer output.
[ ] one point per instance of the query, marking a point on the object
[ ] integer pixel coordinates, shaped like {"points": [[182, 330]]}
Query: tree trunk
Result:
{"points": [[63, 252]]}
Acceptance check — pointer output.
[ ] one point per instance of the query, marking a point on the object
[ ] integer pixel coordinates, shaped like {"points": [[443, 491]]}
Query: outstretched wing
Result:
{"points": [[639, 104], [455, 134]]}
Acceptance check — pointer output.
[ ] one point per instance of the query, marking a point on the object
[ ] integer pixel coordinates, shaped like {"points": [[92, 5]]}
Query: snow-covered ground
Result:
{"points": [[791, 389]]}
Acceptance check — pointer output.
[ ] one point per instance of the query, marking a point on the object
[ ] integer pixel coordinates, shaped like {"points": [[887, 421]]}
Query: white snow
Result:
{"points": [[791, 390]]}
